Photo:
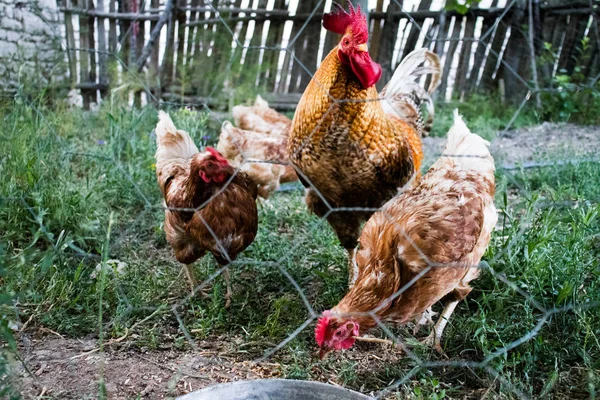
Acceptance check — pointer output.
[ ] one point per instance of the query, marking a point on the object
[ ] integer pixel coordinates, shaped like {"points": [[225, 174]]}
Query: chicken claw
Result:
{"points": [[425, 319], [435, 337]]}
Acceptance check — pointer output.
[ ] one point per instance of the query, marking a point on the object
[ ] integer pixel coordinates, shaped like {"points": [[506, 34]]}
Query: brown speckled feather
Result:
{"points": [[231, 215], [351, 151], [427, 241]]}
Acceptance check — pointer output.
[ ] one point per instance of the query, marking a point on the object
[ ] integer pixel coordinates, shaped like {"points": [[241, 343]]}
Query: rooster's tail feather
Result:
{"points": [[405, 96], [467, 150]]}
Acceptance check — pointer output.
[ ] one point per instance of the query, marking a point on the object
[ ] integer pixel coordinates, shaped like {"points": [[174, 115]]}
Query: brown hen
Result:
{"points": [[209, 205], [261, 118], [423, 246]]}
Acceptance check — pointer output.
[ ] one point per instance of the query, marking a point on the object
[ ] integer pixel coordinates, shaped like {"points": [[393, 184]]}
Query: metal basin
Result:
{"points": [[274, 389]]}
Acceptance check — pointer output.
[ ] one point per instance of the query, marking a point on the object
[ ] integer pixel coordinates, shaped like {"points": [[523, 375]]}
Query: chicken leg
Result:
{"points": [[228, 292], [424, 319], [435, 337], [189, 273], [352, 267]]}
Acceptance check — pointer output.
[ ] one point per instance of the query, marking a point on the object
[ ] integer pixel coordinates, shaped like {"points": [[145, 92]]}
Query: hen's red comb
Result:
{"points": [[321, 328], [338, 21], [217, 155]]}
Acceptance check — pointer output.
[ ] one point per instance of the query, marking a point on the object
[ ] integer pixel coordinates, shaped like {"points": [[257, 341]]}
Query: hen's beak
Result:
{"points": [[323, 352]]}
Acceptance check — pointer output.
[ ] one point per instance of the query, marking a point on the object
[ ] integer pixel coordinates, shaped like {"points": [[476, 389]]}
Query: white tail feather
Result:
{"points": [[171, 143], [466, 150], [404, 95], [409, 70]]}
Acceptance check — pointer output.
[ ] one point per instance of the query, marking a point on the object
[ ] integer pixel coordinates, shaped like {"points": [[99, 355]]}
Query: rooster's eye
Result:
{"points": [[347, 42]]}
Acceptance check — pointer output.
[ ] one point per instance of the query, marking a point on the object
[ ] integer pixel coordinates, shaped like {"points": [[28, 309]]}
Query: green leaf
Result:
{"points": [[565, 292]]}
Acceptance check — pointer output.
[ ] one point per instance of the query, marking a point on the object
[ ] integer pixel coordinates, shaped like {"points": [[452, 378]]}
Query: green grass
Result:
{"points": [[486, 116], [65, 172]]}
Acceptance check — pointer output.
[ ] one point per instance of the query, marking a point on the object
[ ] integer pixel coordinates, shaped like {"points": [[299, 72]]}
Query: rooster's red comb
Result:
{"points": [[338, 21]]}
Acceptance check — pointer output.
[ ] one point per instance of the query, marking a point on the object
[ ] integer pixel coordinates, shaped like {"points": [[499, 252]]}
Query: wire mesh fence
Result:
{"points": [[296, 268]]}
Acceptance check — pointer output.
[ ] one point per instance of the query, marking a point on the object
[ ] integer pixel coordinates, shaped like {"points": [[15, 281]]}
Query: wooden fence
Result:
{"points": [[208, 51]]}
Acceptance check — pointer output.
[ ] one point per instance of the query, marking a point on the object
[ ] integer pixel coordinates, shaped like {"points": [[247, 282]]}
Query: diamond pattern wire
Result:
{"points": [[177, 308]]}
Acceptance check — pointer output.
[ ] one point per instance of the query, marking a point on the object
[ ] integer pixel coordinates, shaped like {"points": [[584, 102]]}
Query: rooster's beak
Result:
{"points": [[362, 47], [323, 352]]}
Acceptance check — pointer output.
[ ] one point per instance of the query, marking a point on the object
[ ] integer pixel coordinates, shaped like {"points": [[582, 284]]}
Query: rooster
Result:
{"points": [[261, 118], [421, 247], [244, 149], [209, 205], [353, 150]]}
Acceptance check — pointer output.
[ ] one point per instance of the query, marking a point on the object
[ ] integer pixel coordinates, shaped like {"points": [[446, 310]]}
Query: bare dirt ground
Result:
{"points": [[529, 145], [66, 368]]}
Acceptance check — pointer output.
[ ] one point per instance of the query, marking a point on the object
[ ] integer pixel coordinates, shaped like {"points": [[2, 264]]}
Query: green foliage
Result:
{"points": [[486, 115], [462, 6], [577, 98]]}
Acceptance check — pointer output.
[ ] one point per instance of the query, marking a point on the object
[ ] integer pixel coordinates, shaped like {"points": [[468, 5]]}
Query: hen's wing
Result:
{"points": [[227, 225]]}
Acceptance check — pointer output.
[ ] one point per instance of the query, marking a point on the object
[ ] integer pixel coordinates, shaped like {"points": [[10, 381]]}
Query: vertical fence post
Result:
{"points": [[70, 39], [84, 55], [102, 57], [534, 74]]}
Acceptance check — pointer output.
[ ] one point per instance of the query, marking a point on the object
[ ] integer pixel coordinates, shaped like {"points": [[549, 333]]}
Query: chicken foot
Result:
{"points": [[425, 319], [435, 337]]}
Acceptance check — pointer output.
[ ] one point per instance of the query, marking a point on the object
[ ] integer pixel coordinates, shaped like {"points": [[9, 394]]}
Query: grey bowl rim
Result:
{"points": [[208, 389]]}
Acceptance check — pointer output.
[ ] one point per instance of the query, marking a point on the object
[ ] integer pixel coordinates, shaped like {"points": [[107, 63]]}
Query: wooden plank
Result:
{"points": [[297, 48], [84, 56], [253, 53], [112, 28], [166, 69], [71, 53], [517, 68], [124, 44], [204, 37], [180, 16], [491, 61], [454, 36], [130, 16], [102, 56], [375, 36], [92, 76], [192, 33], [442, 36], [462, 70], [575, 34], [414, 31], [274, 39], [388, 39], [309, 56], [140, 37], [154, 55], [480, 51], [223, 54]]}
